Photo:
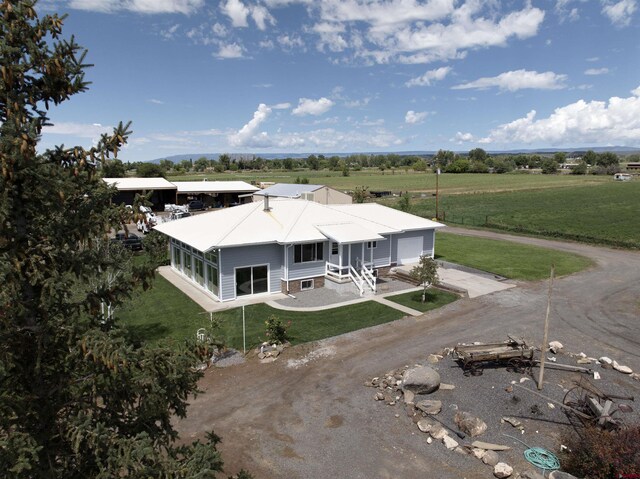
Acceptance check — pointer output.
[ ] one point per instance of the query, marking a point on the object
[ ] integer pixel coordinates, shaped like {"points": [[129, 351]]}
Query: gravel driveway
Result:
{"points": [[308, 415]]}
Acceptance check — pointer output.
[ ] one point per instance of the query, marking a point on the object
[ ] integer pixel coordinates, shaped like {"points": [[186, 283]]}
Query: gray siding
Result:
{"points": [[231, 258], [427, 242], [310, 269]]}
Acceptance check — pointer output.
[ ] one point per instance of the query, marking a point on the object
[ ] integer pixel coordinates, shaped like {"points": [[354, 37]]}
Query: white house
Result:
{"points": [[284, 245]]}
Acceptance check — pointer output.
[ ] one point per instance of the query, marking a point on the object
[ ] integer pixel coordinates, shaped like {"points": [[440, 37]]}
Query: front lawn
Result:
{"points": [[506, 258], [435, 298], [165, 312]]}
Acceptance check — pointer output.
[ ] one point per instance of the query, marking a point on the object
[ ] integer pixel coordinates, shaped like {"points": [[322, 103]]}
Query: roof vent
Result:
{"points": [[266, 203]]}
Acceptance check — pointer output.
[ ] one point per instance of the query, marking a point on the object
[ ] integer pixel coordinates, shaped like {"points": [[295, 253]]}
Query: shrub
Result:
{"points": [[601, 454], [276, 332]]}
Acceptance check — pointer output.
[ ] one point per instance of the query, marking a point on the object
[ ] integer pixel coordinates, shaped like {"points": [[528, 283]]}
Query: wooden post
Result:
{"points": [[543, 349], [437, 176]]}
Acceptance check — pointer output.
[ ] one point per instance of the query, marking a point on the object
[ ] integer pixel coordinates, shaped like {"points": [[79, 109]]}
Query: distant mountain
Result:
{"points": [[277, 156]]}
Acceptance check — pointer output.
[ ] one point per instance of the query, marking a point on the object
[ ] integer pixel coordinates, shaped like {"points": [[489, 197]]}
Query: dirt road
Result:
{"points": [[315, 419]]}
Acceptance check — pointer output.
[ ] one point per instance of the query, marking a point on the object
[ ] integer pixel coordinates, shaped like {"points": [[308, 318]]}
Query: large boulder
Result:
{"points": [[490, 458], [421, 380], [470, 424]]}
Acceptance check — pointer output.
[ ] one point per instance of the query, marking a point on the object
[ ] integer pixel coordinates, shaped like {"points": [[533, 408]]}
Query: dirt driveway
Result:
{"points": [[310, 416]]}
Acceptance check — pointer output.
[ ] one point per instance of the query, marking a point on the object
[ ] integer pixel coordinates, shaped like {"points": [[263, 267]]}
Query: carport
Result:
{"points": [[163, 191], [215, 194]]}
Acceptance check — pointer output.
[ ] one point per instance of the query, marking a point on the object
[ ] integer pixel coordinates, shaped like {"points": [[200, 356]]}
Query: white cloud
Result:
{"points": [[616, 121], [81, 130], [155, 102], [232, 50], [140, 6], [414, 117], [236, 11], [307, 106], [429, 77], [170, 32], [596, 71], [218, 29], [518, 80], [463, 138], [567, 13], [281, 106], [289, 42], [619, 13], [248, 135], [262, 16]]}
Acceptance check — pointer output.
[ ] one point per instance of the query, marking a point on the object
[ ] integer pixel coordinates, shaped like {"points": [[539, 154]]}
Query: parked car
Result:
{"points": [[196, 205], [176, 215], [132, 241]]}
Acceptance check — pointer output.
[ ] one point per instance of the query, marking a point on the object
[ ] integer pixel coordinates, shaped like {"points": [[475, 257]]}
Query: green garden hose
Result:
{"points": [[539, 457]]}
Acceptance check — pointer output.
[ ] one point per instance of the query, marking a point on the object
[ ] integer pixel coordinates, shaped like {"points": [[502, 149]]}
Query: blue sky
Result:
{"points": [[197, 76]]}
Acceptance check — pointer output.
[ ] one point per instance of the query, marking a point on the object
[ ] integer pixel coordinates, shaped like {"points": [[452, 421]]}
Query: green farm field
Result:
{"points": [[605, 213], [402, 180]]}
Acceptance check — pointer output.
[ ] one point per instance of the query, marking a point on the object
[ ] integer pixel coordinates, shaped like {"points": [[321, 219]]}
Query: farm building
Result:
{"points": [[212, 193], [284, 245], [163, 191], [318, 193], [217, 194]]}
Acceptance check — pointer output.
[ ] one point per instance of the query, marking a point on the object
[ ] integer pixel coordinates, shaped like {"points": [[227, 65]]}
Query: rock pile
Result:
{"points": [[268, 353]]}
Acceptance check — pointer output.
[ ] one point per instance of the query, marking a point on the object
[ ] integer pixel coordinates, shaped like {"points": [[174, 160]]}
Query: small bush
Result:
{"points": [[600, 454], [276, 331]]}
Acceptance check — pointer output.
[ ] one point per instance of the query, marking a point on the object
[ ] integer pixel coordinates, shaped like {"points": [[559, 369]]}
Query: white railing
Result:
{"points": [[336, 271], [367, 274], [355, 277]]}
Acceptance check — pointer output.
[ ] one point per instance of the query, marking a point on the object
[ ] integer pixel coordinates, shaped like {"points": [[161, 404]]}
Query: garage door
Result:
{"points": [[409, 250]]}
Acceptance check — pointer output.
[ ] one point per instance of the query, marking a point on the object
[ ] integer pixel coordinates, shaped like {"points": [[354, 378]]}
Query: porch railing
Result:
{"points": [[367, 274], [355, 277], [336, 271]]}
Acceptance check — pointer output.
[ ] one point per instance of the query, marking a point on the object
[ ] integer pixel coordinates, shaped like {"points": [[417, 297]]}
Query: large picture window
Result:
{"points": [[304, 253], [252, 280]]}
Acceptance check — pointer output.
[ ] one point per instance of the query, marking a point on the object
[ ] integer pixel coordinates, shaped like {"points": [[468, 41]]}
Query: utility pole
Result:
{"points": [[437, 176], [543, 349]]}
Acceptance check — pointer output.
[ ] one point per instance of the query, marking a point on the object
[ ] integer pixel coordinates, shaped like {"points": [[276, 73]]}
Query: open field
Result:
{"points": [[409, 180], [511, 260], [606, 214]]}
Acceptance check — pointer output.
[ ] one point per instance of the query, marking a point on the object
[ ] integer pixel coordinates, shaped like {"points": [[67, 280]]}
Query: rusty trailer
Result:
{"points": [[515, 354]]}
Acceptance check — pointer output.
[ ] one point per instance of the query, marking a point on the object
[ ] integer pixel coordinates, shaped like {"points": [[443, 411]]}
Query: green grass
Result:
{"points": [[164, 312], [508, 259], [435, 298], [605, 214], [410, 180]]}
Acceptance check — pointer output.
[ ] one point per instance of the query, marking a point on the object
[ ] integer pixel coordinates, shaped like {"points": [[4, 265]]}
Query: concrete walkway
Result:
{"points": [[474, 284]]}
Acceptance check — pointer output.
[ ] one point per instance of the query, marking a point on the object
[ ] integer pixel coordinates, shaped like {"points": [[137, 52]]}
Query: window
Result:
{"points": [[177, 256], [186, 260], [199, 271], [304, 253], [372, 244], [212, 279], [334, 248], [212, 257], [306, 284]]}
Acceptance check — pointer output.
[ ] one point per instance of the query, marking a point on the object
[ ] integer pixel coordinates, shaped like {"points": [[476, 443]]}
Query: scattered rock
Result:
{"points": [[408, 396], [410, 410], [531, 475], [269, 359], [379, 396], [425, 425], [551, 405], [470, 424], [421, 380], [524, 379], [429, 440], [621, 368], [429, 406], [478, 453], [449, 442], [502, 470], [446, 387], [433, 358], [596, 375], [490, 458], [635, 376], [555, 346], [509, 389], [437, 431], [606, 360], [461, 450], [512, 420], [584, 361]]}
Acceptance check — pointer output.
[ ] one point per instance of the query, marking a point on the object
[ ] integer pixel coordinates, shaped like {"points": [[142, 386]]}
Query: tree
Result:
{"points": [[201, 164], [149, 170], [607, 159], [360, 194], [590, 158], [113, 169], [579, 169], [404, 203], [313, 162], [549, 166], [77, 397], [426, 272], [478, 154], [166, 165]]}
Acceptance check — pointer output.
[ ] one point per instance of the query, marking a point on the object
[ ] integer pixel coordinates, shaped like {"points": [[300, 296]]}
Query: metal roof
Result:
{"points": [[288, 190], [291, 221], [185, 187], [124, 184]]}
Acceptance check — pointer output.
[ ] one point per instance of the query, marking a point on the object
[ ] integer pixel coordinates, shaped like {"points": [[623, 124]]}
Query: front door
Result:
{"points": [[252, 280], [334, 255]]}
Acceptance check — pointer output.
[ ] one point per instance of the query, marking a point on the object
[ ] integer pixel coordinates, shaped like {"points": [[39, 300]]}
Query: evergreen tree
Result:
{"points": [[77, 398]]}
